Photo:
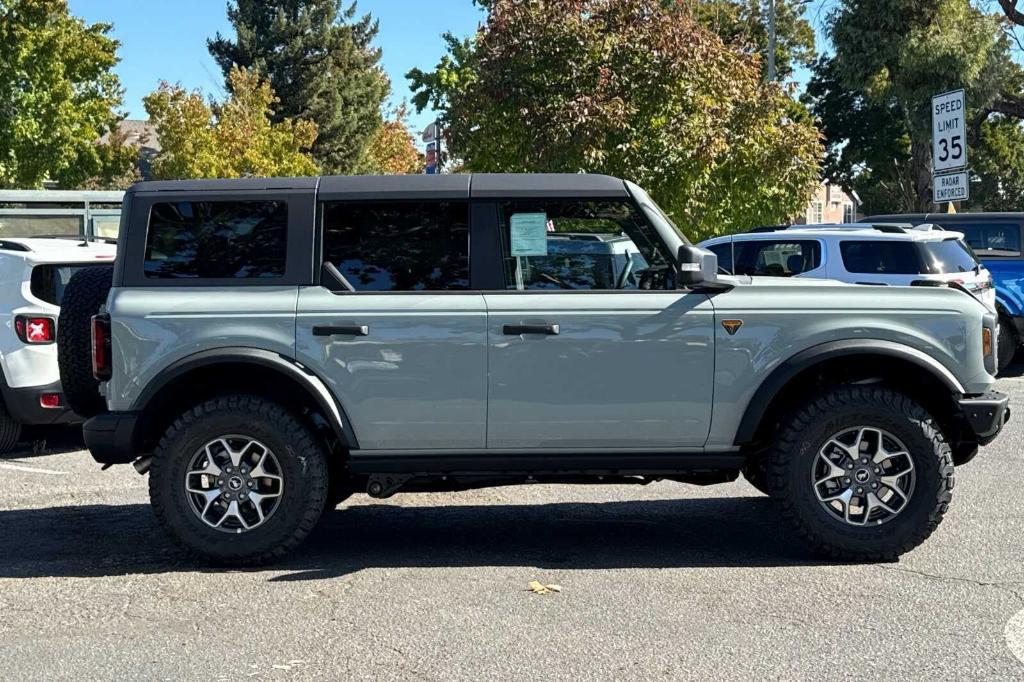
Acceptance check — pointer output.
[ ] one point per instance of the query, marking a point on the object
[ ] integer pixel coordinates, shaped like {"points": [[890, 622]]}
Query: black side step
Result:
{"points": [[364, 462]]}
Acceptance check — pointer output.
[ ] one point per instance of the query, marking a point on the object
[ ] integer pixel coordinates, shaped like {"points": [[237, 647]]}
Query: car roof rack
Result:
{"points": [[768, 228], [888, 228]]}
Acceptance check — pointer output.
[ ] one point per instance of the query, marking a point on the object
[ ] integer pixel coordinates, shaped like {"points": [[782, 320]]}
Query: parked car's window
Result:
{"points": [[399, 246], [776, 258], [949, 255], [578, 244], [724, 253], [217, 240], [991, 239], [881, 257], [48, 281]]}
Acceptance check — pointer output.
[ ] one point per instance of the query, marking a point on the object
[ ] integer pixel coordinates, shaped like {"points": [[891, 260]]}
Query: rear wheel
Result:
{"points": [[238, 480], [1007, 343], [85, 292], [10, 430], [862, 473]]}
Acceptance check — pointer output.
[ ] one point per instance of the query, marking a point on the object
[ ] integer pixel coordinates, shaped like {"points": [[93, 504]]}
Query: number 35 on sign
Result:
{"points": [[949, 149]]}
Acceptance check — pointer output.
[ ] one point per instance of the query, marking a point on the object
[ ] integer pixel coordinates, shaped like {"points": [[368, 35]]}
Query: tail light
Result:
{"points": [[34, 329], [101, 367]]}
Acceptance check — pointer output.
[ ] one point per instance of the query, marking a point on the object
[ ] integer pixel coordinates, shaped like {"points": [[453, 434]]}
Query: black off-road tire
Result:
{"points": [[807, 430], [303, 462], [10, 430], [85, 292], [1006, 345], [755, 470]]}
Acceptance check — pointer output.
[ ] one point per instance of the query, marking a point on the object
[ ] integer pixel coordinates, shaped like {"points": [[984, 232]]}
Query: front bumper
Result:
{"points": [[986, 414], [111, 437], [23, 405]]}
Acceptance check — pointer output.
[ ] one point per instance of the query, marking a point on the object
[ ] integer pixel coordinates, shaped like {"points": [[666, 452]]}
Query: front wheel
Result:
{"points": [[862, 473], [238, 480], [1006, 345]]}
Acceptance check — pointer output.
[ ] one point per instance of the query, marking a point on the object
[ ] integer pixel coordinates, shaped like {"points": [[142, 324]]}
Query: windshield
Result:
{"points": [[654, 212], [949, 256]]}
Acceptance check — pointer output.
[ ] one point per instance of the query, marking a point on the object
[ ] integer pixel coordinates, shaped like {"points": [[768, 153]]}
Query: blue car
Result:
{"points": [[996, 239]]}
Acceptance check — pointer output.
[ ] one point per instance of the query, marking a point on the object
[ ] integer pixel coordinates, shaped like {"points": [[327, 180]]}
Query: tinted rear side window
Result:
{"points": [[399, 246], [776, 258], [991, 239], [949, 255], [881, 257], [217, 240], [48, 281]]}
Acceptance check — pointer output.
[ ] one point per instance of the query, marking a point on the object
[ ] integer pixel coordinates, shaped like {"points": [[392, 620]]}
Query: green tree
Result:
{"points": [[58, 95], [320, 62], [744, 23], [873, 96], [633, 88], [392, 149], [229, 139]]}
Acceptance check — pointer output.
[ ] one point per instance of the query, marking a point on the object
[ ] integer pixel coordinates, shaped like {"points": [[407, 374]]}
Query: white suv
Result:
{"points": [[33, 274], [882, 254]]}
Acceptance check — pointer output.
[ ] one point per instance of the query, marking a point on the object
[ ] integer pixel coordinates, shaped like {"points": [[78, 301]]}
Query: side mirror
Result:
{"points": [[695, 266]]}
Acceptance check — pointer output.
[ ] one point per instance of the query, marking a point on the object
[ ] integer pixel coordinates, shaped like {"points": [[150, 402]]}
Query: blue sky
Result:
{"points": [[163, 40]]}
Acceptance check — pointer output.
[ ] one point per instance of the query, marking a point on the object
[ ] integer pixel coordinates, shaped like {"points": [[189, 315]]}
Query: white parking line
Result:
{"points": [[33, 470]]}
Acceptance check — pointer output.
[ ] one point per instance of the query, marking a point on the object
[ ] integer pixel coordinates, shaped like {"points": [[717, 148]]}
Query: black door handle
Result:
{"points": [[341, 330], [517, 329]]}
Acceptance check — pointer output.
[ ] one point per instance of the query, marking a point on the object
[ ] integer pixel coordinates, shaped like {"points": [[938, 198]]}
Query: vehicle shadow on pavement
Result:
{"points": [[39, 441], [106, 540]]}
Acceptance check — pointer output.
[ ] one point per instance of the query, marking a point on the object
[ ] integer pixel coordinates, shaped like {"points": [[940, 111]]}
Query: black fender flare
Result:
{"points": [[790, 368], [289, 367]]}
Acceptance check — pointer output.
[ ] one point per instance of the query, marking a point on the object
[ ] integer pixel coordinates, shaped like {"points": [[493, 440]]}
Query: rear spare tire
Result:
{"points": [[85, 292]]}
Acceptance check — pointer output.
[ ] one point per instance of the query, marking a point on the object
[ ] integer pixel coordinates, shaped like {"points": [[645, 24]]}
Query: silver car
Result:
{"points": [[269, 347]]}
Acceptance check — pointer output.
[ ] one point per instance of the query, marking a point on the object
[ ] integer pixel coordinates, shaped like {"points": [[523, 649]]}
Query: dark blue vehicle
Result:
{"points": [[996, 239]]}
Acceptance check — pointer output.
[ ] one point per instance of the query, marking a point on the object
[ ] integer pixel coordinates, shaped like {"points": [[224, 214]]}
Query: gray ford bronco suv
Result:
{"points": [[266, 347]]}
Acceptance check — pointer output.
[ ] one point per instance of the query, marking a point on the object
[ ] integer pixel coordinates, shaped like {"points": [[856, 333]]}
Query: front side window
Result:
{"points": [[771, 258], [724, 253], [569, 244], [881, 257], [217, 240], [399, 246]]}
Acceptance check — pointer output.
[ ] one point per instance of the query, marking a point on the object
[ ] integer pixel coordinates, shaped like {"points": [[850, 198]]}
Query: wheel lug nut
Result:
{"points": [[849, 466], [227, 469], [220, 481], [252, 484], [878, 470], [245, 470], [874, 486], [846, 481], [860, 490], [863, 460]]}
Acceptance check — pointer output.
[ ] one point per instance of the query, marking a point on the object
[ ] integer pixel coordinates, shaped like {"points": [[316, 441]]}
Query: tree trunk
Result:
{"points": [[921, 172]]}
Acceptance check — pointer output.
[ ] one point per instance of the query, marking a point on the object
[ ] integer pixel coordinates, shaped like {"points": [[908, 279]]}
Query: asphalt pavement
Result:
{"points": [[666, 581]]}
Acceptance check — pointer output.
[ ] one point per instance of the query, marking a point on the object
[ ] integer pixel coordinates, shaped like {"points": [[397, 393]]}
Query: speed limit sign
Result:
{"points": [[949, 143]]}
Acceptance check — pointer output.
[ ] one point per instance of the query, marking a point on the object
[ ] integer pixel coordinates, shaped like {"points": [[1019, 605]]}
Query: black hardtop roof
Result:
{"points": [[457, 186]]}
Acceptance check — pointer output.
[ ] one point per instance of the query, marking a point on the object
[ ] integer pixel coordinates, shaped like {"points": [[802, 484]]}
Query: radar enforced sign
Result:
{"points": [[949, 187], [949, 147]]}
